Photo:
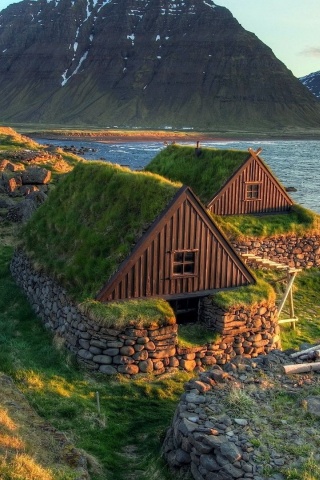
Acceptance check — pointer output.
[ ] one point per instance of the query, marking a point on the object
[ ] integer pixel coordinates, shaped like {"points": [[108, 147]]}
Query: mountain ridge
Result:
{"points": [[135, 63], [312, 82]]}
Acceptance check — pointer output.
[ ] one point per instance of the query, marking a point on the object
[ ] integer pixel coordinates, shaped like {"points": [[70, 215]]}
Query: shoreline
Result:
{"points": [[111, 136]]}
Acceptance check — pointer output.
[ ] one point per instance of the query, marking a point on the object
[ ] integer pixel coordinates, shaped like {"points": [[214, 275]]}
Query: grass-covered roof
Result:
{"points": [[205, 174], [91, 222]]}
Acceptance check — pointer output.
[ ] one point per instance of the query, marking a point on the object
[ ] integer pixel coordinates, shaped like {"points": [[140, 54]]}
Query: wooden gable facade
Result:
{"points": [[251, 189], [182, 254]]}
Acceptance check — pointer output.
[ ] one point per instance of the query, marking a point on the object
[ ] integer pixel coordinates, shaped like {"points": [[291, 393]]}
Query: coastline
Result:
{"points": [[118, 136]]}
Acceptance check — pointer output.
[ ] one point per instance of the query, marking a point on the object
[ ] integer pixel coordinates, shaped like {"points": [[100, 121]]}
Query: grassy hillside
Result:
{"points": [[205, 174], [11, 140], [91, 222]]}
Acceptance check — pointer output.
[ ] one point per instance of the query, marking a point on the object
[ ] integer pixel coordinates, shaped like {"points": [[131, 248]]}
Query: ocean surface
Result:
{"points": [[296, 163]]}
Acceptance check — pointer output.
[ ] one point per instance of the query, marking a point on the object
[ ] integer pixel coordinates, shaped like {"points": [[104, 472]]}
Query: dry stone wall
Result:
{"points": [[133, 350], [292, 250]]}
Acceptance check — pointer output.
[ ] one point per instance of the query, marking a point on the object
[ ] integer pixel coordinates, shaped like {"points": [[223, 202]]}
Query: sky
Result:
{"points": [[291, 28]]}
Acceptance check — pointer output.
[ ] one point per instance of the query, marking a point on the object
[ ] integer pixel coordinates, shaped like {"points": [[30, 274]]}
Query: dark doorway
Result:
{"points": [[186, 310]]}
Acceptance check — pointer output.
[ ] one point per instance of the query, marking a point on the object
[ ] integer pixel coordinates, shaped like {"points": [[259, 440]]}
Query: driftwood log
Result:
{"points": [[304, 352], [302, 367]]}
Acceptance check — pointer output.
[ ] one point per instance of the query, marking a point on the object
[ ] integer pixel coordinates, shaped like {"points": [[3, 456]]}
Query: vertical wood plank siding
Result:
{"points": [[151, 273], [232, 199]]}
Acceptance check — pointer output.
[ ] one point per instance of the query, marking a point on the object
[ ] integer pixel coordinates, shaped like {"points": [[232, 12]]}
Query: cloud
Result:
{"points": [[311, 52]]}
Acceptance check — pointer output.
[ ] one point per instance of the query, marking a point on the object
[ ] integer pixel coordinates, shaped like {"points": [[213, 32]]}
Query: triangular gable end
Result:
{"points": [[182, 254], [253, 188]]}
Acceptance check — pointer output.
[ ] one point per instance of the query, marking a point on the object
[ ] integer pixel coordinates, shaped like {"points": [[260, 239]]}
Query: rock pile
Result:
{"points": [[16, 182], [292, 250], [226, 425]]}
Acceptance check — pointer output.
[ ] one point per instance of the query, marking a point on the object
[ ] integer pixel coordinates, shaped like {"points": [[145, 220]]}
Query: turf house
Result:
{"points": [[113, 257], [228, 182], [132, 235]]}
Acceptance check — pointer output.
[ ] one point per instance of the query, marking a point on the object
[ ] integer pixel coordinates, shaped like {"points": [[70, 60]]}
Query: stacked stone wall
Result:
{"points": [[135, 350], [292, 250]]}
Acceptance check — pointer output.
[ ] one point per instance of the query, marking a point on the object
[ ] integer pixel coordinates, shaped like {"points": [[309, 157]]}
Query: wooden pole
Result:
{"points": [[286, 293], [98, 402], [301, 368], [303, 352], [291, 306]]}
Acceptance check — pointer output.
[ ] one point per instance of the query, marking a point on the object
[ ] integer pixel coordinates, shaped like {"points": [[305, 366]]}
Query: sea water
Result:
{"points": [[296, 163]]}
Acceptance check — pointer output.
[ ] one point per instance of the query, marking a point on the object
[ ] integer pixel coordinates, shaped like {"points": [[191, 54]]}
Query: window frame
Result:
{"points": [[247, 185], [184, 262]]}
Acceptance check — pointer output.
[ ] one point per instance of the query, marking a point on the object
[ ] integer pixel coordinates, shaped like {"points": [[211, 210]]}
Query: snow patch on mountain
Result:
{"points": [[210, 4], [312, 82], [131, 37], [65, 79]]}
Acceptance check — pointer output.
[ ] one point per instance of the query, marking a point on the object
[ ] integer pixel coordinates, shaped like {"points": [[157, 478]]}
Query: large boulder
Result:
{"points": [[36, 176]]}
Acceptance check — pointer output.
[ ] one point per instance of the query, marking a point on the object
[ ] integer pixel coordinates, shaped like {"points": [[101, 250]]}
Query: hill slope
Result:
{"points": [[153, 64]]}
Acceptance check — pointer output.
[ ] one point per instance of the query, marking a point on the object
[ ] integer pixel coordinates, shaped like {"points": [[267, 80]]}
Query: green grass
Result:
{"points": [[309, 471], [205, 174], [91, 222], [247, 296], [307, 309], [11, 140], [194, 334], [134, 414], [140, 313], [239, 401], [298, 221]]}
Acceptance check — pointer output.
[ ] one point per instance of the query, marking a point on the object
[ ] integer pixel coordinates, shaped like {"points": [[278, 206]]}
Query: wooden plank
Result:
{"points": [[302, 368], [288, 320]]}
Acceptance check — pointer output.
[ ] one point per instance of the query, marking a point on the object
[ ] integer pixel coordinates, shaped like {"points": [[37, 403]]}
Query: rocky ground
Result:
{"points": [[248, 420], [26, 177]]}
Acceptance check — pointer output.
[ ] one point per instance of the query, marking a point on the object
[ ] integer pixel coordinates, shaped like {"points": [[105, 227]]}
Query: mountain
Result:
{"points": [[143, 63], [312, 82]]}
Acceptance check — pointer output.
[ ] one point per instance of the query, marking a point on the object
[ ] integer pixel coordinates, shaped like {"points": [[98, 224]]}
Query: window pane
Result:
{"points": [[189, 268], [178, 257], [178, 268], [189, 256]]}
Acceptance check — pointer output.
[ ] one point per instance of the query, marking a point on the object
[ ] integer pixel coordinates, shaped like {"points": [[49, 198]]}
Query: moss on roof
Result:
{"points": [[246, 296], [205, 174], [91, 222]]}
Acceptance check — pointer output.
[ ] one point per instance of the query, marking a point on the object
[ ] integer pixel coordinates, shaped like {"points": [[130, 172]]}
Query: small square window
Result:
{"points": [[184, 262], [252, 191]]}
